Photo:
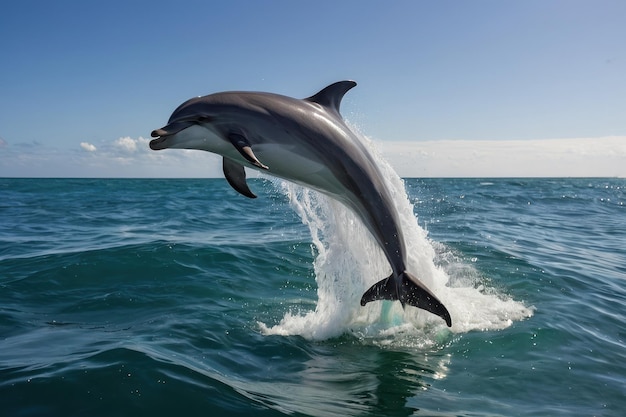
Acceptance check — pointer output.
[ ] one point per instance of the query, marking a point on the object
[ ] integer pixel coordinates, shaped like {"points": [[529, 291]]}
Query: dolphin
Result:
{"points": [[307, 142]]}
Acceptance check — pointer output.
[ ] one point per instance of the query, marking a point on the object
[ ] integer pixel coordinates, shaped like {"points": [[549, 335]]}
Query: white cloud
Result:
{"points": [[88, 147], [115, 158], [579, 157], [128, 144]]}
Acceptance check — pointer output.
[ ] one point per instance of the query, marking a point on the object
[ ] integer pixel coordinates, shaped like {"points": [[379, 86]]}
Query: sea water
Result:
{"points": [[160, 297]]}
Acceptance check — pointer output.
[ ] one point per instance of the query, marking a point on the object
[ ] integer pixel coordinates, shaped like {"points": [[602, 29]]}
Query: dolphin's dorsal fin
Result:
{"points": [[236, 176], [330, 97]]}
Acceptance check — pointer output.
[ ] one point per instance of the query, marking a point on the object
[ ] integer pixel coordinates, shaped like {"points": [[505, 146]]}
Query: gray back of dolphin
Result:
{"points": [[307, 142]]}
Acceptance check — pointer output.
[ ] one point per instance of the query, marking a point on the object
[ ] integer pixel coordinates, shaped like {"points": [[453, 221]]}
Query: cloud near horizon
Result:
{"points": [[88, 147], [577, 157], [122, 157], [130, 145], [132, 157]]}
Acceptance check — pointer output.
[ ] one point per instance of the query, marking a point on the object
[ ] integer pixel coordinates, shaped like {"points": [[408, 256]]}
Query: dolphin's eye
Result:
{"points": [[203, 119]]}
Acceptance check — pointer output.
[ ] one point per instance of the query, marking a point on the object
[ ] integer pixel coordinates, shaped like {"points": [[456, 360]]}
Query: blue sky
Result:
{"points": [[82, 84]]}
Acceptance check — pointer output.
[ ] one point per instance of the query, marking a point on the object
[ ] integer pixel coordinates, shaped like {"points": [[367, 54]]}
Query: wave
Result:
{"points": [[348, 261]]}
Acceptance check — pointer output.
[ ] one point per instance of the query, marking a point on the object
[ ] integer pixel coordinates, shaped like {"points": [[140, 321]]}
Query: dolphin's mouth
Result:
{"points": [[157, 144], [162, 134]]}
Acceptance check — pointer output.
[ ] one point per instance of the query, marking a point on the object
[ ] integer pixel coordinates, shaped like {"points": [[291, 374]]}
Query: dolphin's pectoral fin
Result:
{"points": [[236, 176], [243, 146], [408, 292]]}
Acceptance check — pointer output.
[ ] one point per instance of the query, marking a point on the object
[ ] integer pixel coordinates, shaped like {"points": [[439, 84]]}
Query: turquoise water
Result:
{"points": [[162, 297]]}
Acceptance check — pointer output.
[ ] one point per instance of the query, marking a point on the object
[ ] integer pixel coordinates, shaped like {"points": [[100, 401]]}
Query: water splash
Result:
{"points": [[348, 261]]}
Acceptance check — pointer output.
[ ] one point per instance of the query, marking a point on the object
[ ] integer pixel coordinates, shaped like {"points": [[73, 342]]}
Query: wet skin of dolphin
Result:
{"points": [[306, 142]]}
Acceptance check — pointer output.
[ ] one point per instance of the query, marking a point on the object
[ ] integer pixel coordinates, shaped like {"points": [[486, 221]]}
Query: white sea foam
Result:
{"points": [[348, 261]]}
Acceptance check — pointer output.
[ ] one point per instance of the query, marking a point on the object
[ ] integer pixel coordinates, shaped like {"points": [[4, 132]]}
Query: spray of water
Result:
{"points": [[348, 261]]}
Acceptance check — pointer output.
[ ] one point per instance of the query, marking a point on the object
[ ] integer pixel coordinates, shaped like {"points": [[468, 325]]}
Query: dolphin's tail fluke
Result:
{"points": [[407, 290]]}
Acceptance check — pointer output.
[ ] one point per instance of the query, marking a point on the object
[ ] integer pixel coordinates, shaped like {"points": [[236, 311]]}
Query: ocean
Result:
{"points": [[160, 297]]}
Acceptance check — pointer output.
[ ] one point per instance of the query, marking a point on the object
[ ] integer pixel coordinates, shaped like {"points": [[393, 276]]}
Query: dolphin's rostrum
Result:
{"points": [[307, 142]]}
